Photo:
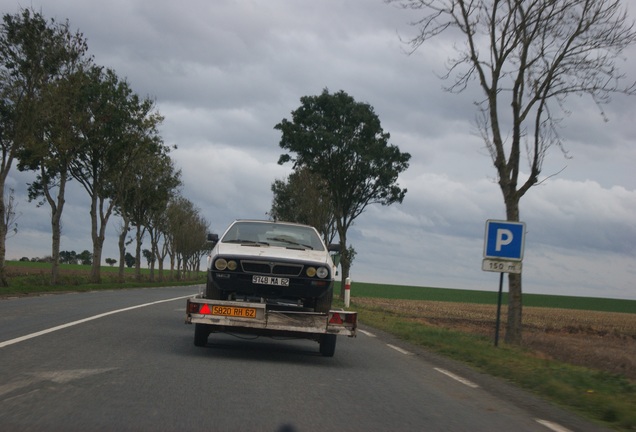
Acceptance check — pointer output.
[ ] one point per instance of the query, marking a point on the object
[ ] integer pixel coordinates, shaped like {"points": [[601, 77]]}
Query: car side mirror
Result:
{"points": [[213, 238], [334, 247]]}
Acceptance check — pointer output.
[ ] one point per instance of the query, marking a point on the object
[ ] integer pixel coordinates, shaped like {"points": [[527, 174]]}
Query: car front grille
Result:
{"points": [[271, 268]]}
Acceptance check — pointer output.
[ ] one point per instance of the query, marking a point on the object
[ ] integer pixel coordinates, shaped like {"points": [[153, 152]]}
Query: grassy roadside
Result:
{"points": [[27, 278], [604, 398]]}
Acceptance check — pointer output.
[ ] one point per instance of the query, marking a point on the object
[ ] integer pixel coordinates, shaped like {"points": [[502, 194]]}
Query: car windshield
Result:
{"points": [[274, 234]]}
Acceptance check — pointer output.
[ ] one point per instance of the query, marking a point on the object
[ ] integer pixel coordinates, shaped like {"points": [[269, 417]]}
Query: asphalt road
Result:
{"points": [[125, 361]]}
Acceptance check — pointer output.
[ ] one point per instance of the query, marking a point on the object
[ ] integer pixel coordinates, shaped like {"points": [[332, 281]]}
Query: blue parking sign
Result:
{"points": [[504, 240]]}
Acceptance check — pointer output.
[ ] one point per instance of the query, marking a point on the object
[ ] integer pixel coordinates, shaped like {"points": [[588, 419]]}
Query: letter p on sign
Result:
{"points": [[504, 240]]}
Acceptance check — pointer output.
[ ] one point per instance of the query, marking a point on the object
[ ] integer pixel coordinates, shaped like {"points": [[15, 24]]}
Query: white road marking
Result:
{"points": [[398, 349], [457, 378], [63, 326], [366, 333], [553, 426]]}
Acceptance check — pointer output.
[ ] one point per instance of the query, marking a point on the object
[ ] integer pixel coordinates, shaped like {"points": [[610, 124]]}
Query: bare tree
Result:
{"points": [[528, 55]]}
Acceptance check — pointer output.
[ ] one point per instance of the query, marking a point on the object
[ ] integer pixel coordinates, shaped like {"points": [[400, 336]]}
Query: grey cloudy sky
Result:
{"points": [[223, 73]]}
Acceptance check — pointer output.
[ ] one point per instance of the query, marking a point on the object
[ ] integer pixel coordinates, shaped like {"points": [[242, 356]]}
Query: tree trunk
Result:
{"points": [[515, 305], [56, 225], [98, 234], [122, 249], [345, 262], [56, 234], [138, 238], [172, 258], [161, 255], [3, 232], [96, 275], [514, 323], [154, 253]]}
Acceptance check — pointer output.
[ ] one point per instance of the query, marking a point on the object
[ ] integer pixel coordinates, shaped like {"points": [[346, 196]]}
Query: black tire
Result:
{"points": [[201, 333], [328, 345], [323, 304], [211, 291]]}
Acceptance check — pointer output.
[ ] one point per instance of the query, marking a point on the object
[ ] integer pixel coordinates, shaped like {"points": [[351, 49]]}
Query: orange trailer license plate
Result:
{"points": [[241, 312]]}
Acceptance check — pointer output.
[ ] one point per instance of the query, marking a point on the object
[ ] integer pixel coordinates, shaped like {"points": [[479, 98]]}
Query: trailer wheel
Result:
{"points": [[201, 333], [328, 345]]}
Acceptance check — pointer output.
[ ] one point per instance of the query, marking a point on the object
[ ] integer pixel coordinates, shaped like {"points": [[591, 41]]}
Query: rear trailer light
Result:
{"points": [[198, 308], [192, 307], [342, 318], [351, 318]]}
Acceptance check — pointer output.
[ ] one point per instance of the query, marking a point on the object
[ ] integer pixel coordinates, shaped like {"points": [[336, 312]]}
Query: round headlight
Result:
{"points": [[220, 264], [311, 271], [231, 265], [322, 272]]}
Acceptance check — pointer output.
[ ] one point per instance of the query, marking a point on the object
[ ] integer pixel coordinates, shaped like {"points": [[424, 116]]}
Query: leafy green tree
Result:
{"points": [[302, 199], [342, 141], [50, 157], [157, 219], [129, 260], [8, 148], [53, 140], [85, 257], [527, 56], [186, 235], [116, 129], [35, 54], [150, 257], [111, 261], [145, 196], [68, 257]]}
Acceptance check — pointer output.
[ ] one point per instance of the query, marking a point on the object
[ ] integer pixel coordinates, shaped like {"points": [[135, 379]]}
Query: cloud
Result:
{"points": [[224, 73]]}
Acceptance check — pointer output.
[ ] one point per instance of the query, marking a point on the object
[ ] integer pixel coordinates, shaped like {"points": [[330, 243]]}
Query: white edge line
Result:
{"points": [[457, 378], [94, 317], [366, 333], [552, 426], [398, 349]]}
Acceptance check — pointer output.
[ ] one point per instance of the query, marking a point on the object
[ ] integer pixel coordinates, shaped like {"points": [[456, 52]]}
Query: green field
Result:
{"points": [[362, 289]]}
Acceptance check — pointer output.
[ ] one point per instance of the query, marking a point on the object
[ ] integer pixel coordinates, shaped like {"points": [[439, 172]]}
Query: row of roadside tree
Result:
{"points": [[66, 118]]}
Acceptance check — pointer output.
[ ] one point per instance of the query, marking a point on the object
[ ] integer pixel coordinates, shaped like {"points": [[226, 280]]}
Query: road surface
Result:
{"points": [[125, 361]]}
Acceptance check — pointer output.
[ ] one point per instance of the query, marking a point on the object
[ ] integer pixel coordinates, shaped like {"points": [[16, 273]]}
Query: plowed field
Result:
{"points": [[600, 340]]}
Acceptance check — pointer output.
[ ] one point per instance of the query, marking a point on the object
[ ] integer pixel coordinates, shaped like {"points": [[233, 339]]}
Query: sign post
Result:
{"points": [[503, 252]]}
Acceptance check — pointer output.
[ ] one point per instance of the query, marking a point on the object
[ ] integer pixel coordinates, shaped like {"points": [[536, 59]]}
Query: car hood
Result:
{"points": [[276, 252]]}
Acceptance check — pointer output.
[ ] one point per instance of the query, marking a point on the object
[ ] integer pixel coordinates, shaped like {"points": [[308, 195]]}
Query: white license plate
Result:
{"points": [[269, 280]]}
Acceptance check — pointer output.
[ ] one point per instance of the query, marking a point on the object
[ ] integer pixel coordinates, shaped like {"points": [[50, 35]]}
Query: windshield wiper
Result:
{"points": [[247, 242], [284, 240]]}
